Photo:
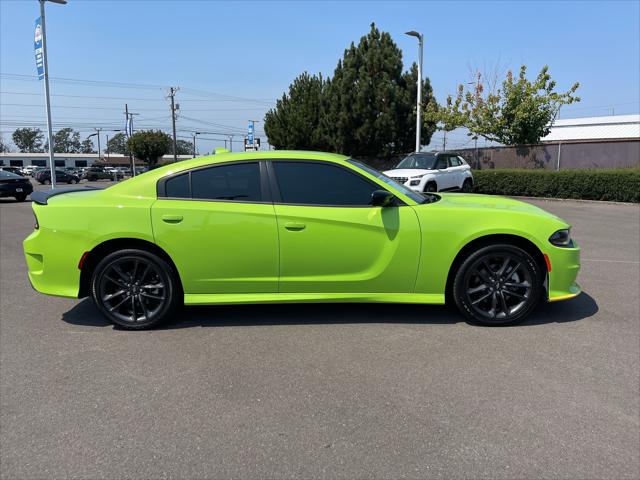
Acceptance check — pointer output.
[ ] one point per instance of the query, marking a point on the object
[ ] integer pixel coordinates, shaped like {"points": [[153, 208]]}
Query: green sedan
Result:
{"points": [[293, 227]]}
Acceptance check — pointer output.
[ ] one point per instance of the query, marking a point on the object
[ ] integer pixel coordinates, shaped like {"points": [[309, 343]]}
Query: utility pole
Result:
{"points": [[194, 143], [172, 95], [230, 143], [98, 130], [128, 131], [444, 140]]}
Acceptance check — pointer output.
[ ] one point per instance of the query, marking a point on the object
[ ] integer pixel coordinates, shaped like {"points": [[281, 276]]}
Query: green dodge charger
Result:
{"points": [[284, 226]]}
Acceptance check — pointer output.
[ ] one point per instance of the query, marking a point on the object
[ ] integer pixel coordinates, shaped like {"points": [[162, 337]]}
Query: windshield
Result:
{"points": [[425, 161], [412, 194]]}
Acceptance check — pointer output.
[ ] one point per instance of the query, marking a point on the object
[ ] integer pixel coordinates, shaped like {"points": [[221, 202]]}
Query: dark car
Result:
{"points": [[44, 177], [14, 170], [99, 173], [12, 185]]}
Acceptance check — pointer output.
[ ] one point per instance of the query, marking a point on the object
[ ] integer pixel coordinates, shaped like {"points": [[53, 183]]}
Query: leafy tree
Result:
{"points": [[66, 140], [366, 109], [117, 144], [294, 123], [520, 112], [28, 140], [4, 146], [149, 145], [87, 146], [183, 147]]}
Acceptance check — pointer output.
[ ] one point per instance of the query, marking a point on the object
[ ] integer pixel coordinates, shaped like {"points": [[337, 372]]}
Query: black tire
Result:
{"points": [[498, 285], [154, 292], [467, 186], [70, 181], [431, 187], [46, 182], [21, 197]]}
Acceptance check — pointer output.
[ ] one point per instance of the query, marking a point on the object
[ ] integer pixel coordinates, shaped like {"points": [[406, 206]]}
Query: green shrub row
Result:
{"points": [[620, 185]]}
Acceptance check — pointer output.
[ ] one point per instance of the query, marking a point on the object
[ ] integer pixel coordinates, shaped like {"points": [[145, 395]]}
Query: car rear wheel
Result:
{"points": [[46, 182], [498, 285], [21, 198], [135, 289], [467, 186]]}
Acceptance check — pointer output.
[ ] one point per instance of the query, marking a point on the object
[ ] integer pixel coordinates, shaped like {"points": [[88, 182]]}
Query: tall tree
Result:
{"points": [[66, 140], [184, 147], [4, 146], [370, 103], [117, 144], [149, 145], [28, 140], [518, 113], [294, 122], [366, 109], [87, 146]]}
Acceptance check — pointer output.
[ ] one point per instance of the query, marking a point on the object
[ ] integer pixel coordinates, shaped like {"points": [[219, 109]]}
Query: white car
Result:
{"points": [[433, 172]]}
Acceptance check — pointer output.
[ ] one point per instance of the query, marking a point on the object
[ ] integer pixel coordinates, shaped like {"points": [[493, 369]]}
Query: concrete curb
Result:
{"points": [[551, 199]]}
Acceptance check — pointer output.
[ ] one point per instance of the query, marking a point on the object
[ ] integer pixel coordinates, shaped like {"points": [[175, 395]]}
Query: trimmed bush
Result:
{"points": [[620, 185]]}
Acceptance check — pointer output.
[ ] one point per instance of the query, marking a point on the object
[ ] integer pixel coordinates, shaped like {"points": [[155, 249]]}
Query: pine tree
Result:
{"points": [[293, 123]]}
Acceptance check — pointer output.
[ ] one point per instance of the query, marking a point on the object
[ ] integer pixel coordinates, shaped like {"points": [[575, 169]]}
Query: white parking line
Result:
{"points": [[609, 261]]}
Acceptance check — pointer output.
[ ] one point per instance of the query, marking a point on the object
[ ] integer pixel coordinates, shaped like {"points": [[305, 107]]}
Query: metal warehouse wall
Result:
{"points": [[592, 154]]}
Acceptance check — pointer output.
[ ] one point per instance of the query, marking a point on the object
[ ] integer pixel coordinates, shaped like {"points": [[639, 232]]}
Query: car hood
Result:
{"points": [[491, 202], [407, 172]]}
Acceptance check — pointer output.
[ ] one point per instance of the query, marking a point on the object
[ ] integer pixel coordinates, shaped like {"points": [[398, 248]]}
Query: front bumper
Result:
{"points": [[565, 265]]}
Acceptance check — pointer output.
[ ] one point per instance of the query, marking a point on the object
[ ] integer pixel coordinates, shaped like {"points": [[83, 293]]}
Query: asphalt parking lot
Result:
{"points": [[328, 391]]}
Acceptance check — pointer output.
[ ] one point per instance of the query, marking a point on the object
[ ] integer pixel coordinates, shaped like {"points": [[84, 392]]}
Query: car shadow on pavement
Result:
{"points": [[86, 314]]}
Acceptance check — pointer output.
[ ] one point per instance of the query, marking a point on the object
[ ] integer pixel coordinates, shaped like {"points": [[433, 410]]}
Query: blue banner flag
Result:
{"points": [[250, 133], [37, 46]]}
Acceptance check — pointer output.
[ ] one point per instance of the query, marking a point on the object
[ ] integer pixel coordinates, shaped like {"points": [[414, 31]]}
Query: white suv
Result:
{"points": [[433, 172]]}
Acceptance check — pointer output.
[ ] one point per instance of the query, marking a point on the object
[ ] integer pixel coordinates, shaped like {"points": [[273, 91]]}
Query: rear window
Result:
{"points": [[5, 174]]}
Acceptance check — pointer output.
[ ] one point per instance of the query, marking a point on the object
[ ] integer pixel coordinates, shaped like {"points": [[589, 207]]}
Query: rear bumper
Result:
{"points": [[565, 265], [10, 190], [49, 267]]}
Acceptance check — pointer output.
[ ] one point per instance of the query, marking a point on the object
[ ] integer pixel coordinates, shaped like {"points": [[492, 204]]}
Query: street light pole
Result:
{"points": [[420, 38], [52, 166]]}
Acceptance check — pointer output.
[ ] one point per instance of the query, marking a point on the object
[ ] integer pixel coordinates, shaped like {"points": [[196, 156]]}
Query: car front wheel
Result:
{"points": [[498, 285], [431, 187], [135, 289]]}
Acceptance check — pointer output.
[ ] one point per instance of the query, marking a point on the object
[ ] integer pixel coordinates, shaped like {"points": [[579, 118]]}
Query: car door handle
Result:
{"points": [[172, 218], [294, 226]]}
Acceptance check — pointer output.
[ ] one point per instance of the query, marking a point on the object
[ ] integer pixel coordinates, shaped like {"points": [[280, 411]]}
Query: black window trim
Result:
{"points": [[264, 184], [277, 197]]}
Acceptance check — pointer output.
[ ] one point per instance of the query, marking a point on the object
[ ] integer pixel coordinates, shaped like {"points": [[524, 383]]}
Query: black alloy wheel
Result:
{"points": [[498, 285], [135, 289], [467, 186]]}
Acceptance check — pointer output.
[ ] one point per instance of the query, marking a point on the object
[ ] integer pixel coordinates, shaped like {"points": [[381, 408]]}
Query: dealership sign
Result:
{"points": [[37, 46]]}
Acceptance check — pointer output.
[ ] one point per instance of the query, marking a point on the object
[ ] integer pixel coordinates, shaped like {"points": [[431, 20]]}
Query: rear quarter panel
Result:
{"points": [[74, 223]]}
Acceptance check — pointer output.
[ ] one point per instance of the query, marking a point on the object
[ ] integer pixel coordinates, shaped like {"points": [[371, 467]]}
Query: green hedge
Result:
{"points": [[620, 185]]}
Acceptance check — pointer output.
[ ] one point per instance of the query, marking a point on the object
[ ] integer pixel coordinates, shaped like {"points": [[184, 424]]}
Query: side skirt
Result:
{"points": [[234, 298]]}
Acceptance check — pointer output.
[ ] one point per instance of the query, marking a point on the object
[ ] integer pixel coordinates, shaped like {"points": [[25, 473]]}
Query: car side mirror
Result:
{"points": [[382, 198]]}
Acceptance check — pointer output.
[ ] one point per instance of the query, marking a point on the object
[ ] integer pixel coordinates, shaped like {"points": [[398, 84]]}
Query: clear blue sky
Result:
{"points": [[254, 49]]}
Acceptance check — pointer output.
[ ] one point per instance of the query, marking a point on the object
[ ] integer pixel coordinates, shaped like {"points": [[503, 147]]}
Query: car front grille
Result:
{"points": [[401, 180]]}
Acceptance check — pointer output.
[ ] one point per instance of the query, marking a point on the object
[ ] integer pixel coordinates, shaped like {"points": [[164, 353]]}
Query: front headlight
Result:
{"points": [[415, 180], [562, 238]]}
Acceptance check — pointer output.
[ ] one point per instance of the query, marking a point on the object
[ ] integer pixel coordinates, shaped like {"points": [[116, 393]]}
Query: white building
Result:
{"points": [[615, 127], [69, 159]]}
